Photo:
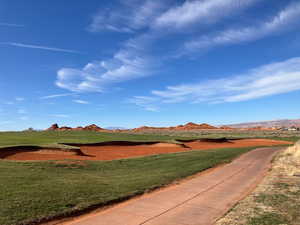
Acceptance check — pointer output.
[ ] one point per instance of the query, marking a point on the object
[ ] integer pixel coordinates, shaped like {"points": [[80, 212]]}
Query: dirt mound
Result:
{"points": [[122, 150], [38, 153]]}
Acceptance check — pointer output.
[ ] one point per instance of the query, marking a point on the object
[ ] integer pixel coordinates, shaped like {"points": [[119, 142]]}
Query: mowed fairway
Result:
{"points": [[37, 191]]}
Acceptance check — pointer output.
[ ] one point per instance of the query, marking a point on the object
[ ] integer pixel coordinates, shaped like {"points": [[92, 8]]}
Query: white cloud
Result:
{"points": [[130, 16], [20, 99], [11, 25], [139, 56], [284, 20], [81, 101], [272, 79], [199, 12], [21, 45], [127, 64], [9, 103], [57, 96], [145, 102]]}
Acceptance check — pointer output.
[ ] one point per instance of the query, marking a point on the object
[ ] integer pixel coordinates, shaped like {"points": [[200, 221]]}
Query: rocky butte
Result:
{"points": [[92, 127]]}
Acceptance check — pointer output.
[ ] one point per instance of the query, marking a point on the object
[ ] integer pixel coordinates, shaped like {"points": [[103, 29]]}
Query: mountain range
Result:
{"points": [[268, 124]]}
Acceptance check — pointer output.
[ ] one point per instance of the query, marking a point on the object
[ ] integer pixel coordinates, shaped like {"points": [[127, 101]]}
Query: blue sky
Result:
{"points": [[131, 62]]}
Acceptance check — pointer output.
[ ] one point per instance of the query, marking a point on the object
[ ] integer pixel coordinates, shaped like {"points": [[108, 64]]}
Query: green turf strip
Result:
{"points": [[53, 138]]}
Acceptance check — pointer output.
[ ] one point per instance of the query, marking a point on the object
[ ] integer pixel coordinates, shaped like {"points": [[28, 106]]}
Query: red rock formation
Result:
{"points": [[65, 128], [78, 128], [93, 127], [194, 126], [53, 127]]}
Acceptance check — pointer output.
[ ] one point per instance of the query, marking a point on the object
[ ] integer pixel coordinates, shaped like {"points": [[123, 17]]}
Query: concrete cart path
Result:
{"points": [[198, 201]]}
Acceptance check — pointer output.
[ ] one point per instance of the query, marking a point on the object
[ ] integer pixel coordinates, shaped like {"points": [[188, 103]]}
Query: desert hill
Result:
{"points": [[262, 125], [188, 126], [268, 124], [93, 127]]}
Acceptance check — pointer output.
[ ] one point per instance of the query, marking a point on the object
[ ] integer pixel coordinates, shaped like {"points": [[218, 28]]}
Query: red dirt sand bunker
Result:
{"points": [[121, 150]]}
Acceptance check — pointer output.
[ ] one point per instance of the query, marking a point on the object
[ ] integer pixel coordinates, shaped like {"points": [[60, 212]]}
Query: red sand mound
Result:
{"points": [[111, 152]]}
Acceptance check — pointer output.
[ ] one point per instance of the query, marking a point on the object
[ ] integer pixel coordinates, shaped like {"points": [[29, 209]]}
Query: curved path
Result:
{"points": [[198, 201]]}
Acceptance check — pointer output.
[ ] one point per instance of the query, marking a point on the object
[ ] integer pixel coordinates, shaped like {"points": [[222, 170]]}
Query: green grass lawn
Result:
{"points": [[293, 139], [30, 191], [52, 138]]}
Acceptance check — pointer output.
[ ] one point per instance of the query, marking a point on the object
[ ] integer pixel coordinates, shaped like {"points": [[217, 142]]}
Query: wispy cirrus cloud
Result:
{"points": [[199, 12], [132, 15], [145, 102], [286, 19], [57, 96], [134, 60], [20, 99], [129, 17], [81, 101], [127, 64], [137, 57], [11, 25], [24, 118], [61, 115], [9, 103], [130, 62], [21, 45], [271, 79]]}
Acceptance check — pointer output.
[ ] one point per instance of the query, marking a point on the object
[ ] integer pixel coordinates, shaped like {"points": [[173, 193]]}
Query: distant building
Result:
{"points": [[293, 128]]}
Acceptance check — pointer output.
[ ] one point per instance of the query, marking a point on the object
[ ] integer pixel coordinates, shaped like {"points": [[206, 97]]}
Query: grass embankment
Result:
{"points": [[282, 135], [53, 138], [31, 191]]}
